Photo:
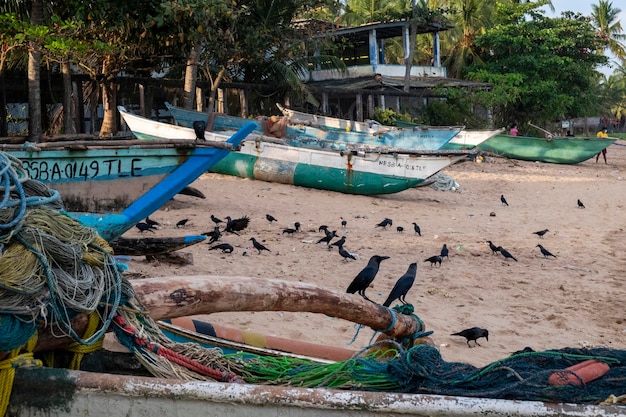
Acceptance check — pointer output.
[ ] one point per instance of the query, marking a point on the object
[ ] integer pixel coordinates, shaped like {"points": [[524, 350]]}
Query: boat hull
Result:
{"points": [[64, 393], [312, 163], [417, 138], [555, 150], [333, 171]]}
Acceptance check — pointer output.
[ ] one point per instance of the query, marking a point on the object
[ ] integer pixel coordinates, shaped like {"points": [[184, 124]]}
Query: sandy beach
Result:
{"points": [[573, 300]]}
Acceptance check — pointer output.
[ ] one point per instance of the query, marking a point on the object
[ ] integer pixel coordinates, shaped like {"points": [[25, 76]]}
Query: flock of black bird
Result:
{"points": [[364, 279]]}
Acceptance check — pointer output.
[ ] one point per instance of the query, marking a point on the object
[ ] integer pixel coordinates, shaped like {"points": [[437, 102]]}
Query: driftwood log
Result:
{"points": [[180, 296]]}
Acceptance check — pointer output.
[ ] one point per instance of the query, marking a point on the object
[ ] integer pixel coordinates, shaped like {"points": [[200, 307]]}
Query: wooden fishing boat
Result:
{"points": [[556, 150], [183, 171], [67, 393], [465, 139], [314, 163], [417, 139], [107, 175]]}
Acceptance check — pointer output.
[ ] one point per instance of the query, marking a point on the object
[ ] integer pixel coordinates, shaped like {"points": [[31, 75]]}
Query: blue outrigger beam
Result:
{"points": [[111, 226]]}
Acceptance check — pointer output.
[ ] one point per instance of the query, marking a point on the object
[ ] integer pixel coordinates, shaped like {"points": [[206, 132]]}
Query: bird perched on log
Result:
{"points": [[329, 236], [503, 200], [224, 247], [444, 252], [365, 278], [258, 246], [473, 334], [402, 286], [434, 260], [386, 222], [144, 227], [214, 235], [417, 229], [580, 204], [494, 248], [236, 225], [216, 220], [506, 253], [270, 218], [541, 233], [345, 254], [545, 252], [181, 223], [151, 222]]}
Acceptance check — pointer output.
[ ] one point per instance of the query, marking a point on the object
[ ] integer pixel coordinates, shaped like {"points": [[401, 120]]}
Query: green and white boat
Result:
{"points": [[314, 163]]}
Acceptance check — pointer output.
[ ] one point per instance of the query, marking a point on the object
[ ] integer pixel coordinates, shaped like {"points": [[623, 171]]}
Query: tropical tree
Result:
{"points": [[605, 17], [550, 62]]}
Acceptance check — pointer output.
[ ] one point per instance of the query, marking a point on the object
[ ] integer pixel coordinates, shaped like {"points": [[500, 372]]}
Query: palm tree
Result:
{"points": [[606, 19]]}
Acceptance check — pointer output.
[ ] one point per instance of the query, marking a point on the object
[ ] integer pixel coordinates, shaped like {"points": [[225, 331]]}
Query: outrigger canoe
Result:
{"points": [[99, 176], [418, 139], [314, 163], [66, 393], [465, 139], [556, 150]]}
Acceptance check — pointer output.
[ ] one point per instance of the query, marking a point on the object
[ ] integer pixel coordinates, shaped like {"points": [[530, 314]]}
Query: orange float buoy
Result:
{"points": [[579, 374]]}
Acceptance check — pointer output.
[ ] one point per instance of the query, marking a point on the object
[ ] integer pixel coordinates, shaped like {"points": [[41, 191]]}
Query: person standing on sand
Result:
{"points": [[602, 134], [513, 131]]}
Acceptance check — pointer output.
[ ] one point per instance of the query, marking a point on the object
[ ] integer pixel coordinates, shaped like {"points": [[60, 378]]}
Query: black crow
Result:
{"points": [[258, 246], [224, 247], [473, 334], [364, 278], [402, 286]]}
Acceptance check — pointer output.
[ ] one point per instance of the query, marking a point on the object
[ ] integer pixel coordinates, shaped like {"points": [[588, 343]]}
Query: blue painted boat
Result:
{"points": [[314, 163], [417, 139], [143, 174]]}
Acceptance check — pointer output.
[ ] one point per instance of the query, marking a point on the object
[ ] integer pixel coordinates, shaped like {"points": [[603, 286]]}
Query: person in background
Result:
{"points": [[513, 131], [602, 134]]}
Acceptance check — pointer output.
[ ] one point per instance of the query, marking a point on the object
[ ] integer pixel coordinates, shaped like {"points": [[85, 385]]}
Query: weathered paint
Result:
{"points": [[555, 150], [418, 138], [81, 394]]}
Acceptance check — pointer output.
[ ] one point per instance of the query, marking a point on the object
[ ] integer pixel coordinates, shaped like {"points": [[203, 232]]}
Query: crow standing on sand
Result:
{"points": [[417, 229], [545, 252], [329, 236], [506, 253], [345, 254], [296, 225], [216, 220], [473, 334], [403, 285], [503, 200], [181, 223], [580, 204], [494, 248], [386, 222], [444, 252], [270, 218], [339, 242], [434, 260], [541, 233], [289, 231], [236, 225], [258, 246], [151, 222], [364, 278], [344, 223], [214, 235], [143, 227], [224, 247]]}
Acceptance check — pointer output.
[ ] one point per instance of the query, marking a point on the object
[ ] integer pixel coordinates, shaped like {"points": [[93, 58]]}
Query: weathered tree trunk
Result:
{"points": [[68, 114], [109, 101], [191, 76], [172, 297], [215, 83], [34, 77]]}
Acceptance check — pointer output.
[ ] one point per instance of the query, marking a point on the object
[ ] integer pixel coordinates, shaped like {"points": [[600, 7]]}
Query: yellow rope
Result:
{"points": [[20, 270], [7, 370], [80, 350]]}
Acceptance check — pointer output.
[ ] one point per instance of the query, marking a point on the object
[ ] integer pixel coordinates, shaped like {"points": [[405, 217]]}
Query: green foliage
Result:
{"points": [[543, 69]]}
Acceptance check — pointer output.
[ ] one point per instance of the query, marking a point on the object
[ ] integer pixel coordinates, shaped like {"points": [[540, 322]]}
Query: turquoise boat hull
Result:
{"points": [[417, 138], [557, 150]]}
